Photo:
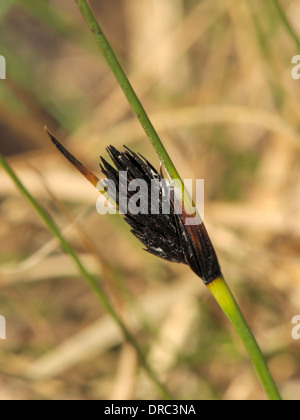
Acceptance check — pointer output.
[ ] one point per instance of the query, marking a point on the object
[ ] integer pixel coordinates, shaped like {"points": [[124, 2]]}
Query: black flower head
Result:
{"points": [[165, 234]]}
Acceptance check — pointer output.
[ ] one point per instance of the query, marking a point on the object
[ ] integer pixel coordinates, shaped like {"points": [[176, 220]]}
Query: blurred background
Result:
{"points": [[216, 79]]}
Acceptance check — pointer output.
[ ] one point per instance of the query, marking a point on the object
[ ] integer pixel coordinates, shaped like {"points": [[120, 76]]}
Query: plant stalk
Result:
{"points": [[219, 289], [228, 304], [286, 23], [127, 88], [51, 225]]}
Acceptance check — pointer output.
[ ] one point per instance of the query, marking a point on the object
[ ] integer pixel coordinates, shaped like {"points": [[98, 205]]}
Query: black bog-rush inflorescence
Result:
{"points": [[165, 235]]}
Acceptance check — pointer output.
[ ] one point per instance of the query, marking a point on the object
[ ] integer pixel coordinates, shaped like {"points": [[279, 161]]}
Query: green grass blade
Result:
{"points": [[124, 83], [93, 283], [290, 30], [222, 294], [227, 302]]}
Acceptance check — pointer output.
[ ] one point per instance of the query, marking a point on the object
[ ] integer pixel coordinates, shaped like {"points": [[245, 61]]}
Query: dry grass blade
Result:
{"points": [[220, 120]]}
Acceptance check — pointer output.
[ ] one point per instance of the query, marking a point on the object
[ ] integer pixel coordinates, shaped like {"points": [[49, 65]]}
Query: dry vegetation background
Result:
{"points": [[215, 77]]}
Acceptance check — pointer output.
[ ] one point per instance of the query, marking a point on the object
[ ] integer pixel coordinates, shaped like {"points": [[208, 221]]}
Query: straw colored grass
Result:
{"points": [[224, 102]]}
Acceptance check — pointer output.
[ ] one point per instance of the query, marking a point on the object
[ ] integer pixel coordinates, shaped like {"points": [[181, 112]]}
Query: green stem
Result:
{"points": [[51, 225], [227, 302], [286, 23], [128, 90], [218, 288]]}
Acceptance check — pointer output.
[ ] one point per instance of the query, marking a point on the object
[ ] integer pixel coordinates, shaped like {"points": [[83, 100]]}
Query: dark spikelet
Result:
{"points": [[167, 236], [157, 232], [199, 251]]}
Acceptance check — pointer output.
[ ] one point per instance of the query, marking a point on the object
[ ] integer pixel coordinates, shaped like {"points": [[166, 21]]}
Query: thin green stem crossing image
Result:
{"points": [[149, 202]]}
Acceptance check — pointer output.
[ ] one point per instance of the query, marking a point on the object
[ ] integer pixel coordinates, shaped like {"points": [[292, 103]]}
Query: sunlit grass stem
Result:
{"points": [[219, 289], [227, 302], [91, 280], [128, 90], [286, 23]]}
